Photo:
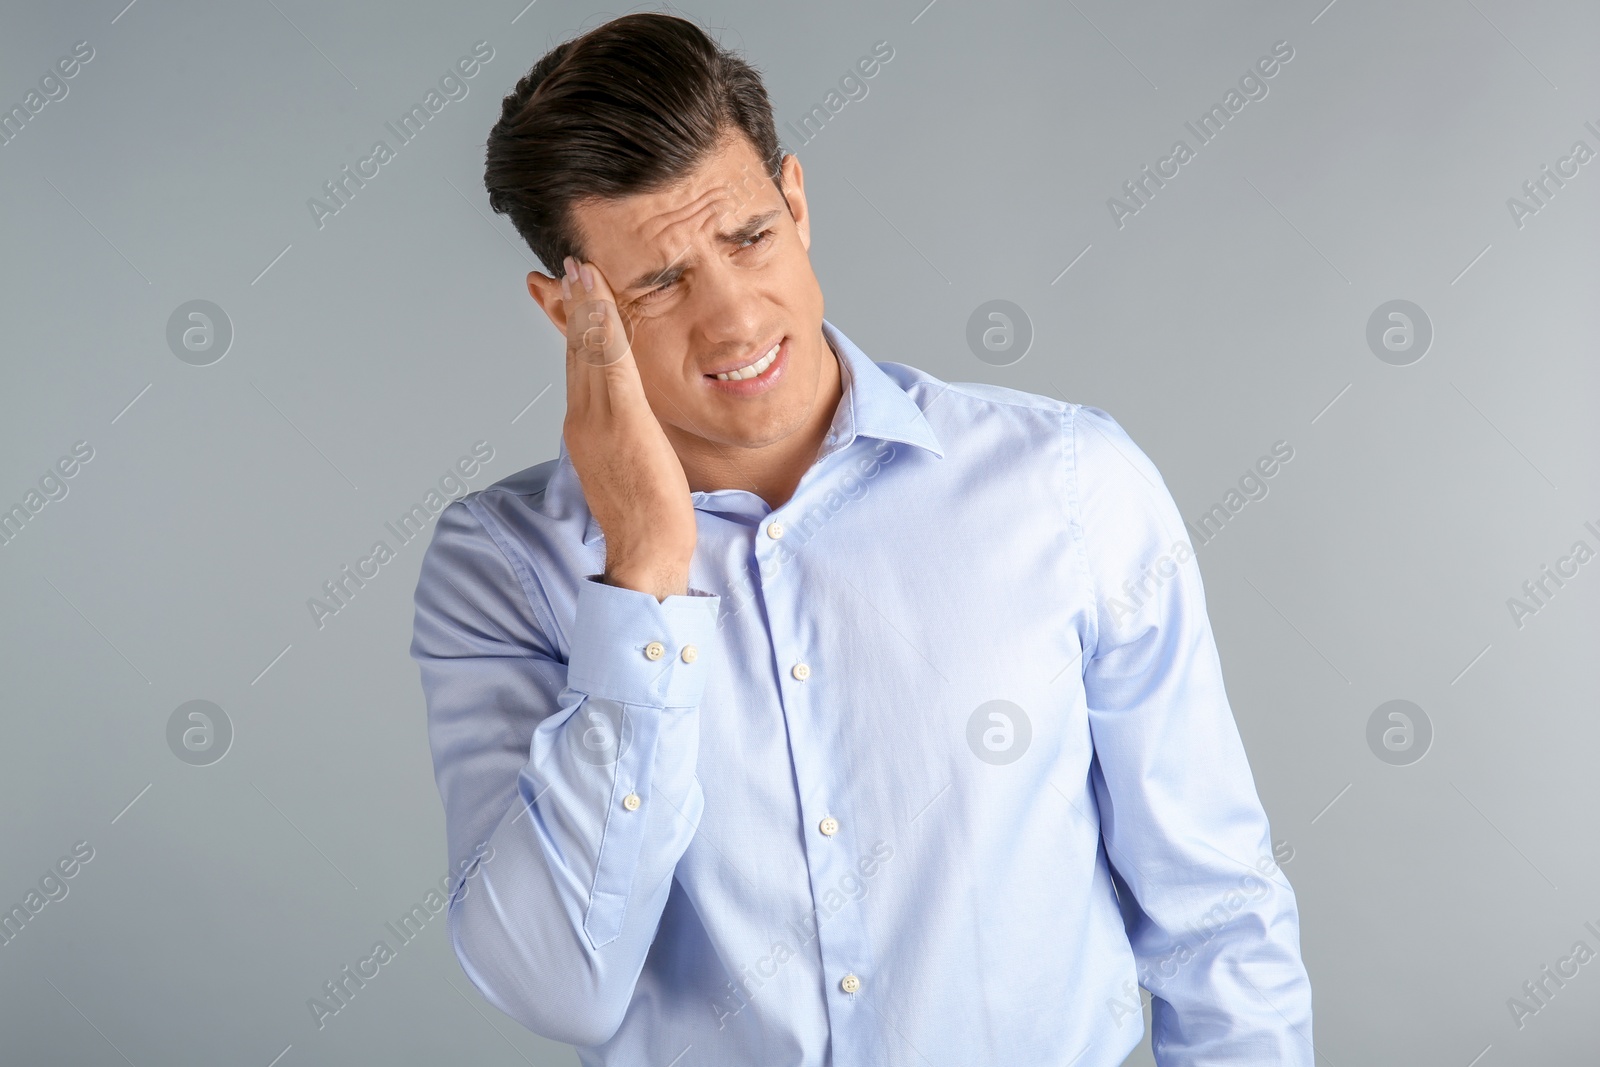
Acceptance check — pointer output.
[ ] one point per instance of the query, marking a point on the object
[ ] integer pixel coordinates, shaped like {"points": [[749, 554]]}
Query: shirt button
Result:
{"points": [[689, 654], [774, 530], [654, 650], [849, 983], [829, 826], [800, 671], [631, 801]]}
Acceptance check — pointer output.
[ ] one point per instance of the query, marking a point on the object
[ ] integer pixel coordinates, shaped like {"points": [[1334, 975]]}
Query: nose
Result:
{"points": [[729, 306]]}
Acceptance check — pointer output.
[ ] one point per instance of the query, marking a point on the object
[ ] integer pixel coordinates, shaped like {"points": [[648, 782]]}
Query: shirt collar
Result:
{"points": [[872, 404]]}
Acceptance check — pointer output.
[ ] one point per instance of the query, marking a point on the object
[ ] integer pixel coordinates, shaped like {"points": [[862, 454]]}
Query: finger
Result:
{"points": [[603, 340]]}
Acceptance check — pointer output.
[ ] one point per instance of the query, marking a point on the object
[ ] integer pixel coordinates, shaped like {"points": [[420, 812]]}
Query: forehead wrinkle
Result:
{"points": [[707, 204]]}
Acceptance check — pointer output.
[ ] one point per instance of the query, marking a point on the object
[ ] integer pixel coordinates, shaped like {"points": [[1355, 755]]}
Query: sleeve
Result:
{"points": [[1212, 920], [569, 789]]}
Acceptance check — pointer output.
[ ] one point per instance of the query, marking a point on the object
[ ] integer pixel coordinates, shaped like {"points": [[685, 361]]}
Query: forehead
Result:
{"points": [[626, 235]]}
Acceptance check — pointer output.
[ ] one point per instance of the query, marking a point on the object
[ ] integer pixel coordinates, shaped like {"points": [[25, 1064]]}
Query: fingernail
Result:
{"points": [[568, 266], [588, 277], [566, 286]]}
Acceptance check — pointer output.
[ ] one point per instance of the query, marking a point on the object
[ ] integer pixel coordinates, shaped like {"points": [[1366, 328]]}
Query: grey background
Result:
{"points": [[1230, 313]]}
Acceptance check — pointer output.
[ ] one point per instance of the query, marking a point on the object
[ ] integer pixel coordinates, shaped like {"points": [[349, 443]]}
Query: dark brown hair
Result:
{"points": [[629, 107]]}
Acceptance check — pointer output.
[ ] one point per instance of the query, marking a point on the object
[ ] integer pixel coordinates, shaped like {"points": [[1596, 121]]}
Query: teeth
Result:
{"points": [[754, 369]]}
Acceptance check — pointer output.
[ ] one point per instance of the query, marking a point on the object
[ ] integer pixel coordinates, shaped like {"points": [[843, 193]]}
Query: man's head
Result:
{"points": [[645, 149]]}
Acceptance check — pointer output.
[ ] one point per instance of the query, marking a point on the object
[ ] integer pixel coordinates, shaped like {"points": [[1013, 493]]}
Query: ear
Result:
{"points": [[794, 191], [546, 292]]}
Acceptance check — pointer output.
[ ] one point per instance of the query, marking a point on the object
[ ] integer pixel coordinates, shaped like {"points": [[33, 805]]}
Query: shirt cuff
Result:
{"points": [[630, 647]]}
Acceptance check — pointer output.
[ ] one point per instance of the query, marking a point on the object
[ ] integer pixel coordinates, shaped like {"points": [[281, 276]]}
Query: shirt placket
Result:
{"points": [[832, 842]]}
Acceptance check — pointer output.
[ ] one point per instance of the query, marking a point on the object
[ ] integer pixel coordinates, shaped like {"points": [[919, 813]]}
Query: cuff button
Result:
{"points": [[689, 654], [654, 650]]}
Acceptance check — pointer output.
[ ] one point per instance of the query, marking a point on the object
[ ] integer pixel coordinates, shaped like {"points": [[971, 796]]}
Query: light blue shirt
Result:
{"points": [[933, 764]]}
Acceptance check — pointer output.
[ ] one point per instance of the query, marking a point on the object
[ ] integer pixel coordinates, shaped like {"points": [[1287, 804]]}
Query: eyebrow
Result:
{"points": [[672, 271]]}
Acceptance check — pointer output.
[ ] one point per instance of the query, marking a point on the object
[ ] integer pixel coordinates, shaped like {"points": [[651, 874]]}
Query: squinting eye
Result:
{"points": [[759, 238], [657, 291]]}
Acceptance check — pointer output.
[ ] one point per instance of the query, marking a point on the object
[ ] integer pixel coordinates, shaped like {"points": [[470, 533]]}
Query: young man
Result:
{"points": [[809, 710]]}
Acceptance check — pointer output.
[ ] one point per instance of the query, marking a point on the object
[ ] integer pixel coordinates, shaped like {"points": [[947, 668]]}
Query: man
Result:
{"points": [[808, 710]]}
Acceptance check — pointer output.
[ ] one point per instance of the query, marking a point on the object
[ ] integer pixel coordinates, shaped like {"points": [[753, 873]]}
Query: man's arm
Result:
{"points": [[579, 775], [1212, 920]]}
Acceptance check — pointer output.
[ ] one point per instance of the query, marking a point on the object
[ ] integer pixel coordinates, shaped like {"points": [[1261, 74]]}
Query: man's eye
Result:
{"points": [[654, 293], [761, 238]]}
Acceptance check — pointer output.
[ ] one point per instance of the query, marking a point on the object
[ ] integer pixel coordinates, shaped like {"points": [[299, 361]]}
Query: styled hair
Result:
{"points": [[629, 107]]}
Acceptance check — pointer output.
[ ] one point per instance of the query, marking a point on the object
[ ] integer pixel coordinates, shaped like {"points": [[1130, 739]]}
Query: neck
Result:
{"points": [[771, 471]]}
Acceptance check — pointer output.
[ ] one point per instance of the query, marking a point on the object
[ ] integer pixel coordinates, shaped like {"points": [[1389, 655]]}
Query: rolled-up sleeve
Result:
{"points": [[1212, 920], [568, 783]]}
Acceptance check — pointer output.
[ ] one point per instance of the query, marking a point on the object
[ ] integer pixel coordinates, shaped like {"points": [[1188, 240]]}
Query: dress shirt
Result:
{"points": [[932, 765]]}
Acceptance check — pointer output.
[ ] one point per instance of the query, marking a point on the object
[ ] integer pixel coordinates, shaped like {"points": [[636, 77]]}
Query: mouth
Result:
{"points": [[755, 376]]}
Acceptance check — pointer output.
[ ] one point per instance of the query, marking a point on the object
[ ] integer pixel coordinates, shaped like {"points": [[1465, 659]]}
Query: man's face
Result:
{"points": [[710, 275]]}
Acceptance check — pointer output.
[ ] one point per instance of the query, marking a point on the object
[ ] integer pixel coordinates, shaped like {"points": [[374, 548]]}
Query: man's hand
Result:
{"points": [[631, 477]]}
